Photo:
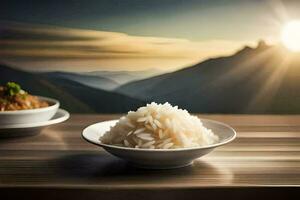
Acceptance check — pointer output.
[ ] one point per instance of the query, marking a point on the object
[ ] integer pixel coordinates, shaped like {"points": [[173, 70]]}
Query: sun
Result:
{"points": [[290, 35]]}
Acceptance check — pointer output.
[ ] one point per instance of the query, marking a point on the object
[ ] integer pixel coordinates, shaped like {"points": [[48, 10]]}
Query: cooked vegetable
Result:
{"points": [[12, 97], [12, 88]]}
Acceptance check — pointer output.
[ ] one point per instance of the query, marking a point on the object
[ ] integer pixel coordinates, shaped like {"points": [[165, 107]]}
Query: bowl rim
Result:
{"points": [[55, 105], [163, 150], [64, 115]]}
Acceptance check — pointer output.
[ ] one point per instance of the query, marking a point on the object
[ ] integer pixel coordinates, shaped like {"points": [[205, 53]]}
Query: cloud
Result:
{"points": [[38, 43]]}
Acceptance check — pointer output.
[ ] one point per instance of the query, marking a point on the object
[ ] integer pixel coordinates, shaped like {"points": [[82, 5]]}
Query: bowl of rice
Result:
{"points": [[159, 136]]}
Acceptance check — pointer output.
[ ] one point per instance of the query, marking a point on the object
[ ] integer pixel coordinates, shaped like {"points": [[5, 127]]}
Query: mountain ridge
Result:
{"points": [[241, 83]]}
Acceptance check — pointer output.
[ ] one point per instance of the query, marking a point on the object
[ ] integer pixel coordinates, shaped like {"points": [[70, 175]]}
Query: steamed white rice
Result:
{"points": [[159, 126]]}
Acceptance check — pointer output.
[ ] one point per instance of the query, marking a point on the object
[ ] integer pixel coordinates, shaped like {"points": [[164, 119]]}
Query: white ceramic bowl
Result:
{"points": [[15, 130], [30, 115], [159, 158]]}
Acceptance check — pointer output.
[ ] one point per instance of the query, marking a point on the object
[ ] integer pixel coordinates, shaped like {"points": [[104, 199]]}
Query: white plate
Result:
{"points": [[30, 115], [159, 158], [32, 128]]}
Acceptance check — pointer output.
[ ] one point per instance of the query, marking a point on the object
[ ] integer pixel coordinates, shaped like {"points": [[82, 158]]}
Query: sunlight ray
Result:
{"points": [[266, 93]]}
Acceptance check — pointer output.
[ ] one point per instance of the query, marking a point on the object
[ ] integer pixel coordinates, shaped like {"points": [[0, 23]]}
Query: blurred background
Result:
{"points": [[111, 56]]}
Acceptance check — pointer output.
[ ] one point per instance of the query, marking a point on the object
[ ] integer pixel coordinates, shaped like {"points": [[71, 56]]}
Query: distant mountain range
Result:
{"points": [[91, 80], [122, 77], [106, 80], [74, 96], [265, 79]]}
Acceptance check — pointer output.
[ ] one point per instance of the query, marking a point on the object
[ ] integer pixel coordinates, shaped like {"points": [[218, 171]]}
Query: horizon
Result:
{"points": [[153, 69], [170, 53], [157, 71]]}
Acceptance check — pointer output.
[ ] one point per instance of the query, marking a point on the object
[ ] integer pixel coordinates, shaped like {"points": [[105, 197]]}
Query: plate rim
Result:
{"points": [[160, 150], [64, 117]]}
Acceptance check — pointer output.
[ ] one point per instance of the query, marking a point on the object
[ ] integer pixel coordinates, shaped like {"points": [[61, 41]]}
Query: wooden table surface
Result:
{"points": [[264, 160]]}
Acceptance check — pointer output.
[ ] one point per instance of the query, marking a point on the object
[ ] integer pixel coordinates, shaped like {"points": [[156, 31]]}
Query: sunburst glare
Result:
{"points": [[290, 35]]}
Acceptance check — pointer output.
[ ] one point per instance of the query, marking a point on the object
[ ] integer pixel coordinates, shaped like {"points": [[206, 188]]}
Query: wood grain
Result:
{"points": [[266, 154]]}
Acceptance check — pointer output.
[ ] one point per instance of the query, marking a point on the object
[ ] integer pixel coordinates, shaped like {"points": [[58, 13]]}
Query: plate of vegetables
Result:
{"points": [[20, 109]]}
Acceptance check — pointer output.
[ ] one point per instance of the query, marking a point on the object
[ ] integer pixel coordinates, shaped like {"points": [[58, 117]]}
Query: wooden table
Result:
{"points": [[263, 161]]}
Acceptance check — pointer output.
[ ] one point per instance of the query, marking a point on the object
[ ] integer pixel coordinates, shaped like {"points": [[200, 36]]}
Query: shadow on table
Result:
{"points": [[104, 165], [13, 133]]}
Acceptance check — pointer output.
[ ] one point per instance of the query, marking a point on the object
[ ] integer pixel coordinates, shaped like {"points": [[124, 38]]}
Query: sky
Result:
{"points": [[134, 34]]}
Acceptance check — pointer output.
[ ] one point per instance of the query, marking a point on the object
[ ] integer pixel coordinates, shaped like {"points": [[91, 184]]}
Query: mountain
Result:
{"points": [[264, 79], [90, 80], [122, 77], [74, 96]]}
